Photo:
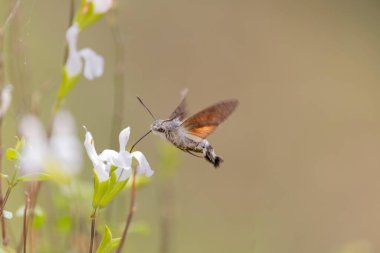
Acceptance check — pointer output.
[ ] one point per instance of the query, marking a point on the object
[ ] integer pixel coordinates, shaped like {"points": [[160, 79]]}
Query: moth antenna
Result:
{"points": [[151, 114], [139, 140]]}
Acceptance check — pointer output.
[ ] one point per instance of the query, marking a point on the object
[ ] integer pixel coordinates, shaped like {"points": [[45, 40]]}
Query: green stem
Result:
{"points": [[3, 227], [93, 218], [4, 201]]}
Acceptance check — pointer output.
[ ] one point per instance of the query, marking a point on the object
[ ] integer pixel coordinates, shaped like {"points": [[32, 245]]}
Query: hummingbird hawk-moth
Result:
{"points": [[189, 134]]}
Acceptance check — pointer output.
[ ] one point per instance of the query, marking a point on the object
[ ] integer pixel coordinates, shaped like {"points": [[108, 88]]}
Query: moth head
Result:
{"points": [[158, 127]]}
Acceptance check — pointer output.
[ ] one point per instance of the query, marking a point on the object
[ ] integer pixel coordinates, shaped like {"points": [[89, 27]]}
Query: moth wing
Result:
{"points": [[180, 112], [203, 123]]}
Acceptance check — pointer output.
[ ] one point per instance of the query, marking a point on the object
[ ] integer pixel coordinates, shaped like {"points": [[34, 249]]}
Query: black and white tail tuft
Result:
{"points": [[212, 157]]}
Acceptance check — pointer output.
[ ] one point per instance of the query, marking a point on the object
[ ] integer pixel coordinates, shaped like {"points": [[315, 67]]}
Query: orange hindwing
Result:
{"points": [[203, 123]]}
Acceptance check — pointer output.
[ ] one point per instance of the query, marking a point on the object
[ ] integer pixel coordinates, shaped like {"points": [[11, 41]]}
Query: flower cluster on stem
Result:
{"points": [[112, 169], [85, 59]]}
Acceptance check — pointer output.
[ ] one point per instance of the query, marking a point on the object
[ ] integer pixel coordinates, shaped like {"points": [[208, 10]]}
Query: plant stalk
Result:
{"points": [[93, 219], [25, 221], [131, 211]]}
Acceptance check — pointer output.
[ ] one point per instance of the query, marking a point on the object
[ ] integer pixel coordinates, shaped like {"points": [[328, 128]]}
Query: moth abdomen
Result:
{"points": [[210, 156]]}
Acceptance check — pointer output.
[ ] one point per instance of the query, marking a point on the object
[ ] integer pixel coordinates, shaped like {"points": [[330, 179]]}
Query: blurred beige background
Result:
{"points": [[302, 152]]}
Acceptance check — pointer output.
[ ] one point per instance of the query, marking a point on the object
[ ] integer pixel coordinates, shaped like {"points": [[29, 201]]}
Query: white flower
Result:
{"points": [[62, 150], [122, 160], [6, 99], [101, 6], [101, 169], [64, 145], [93, 63], [36, 147]]}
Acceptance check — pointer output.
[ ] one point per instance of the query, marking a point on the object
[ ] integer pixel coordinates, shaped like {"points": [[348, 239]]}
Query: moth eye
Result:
{"points": [[161, 130]]}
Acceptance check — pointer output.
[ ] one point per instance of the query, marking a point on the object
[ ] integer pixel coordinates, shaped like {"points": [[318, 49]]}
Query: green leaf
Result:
{"points": [[12, 154], [114, 188], [108, 244], [113, 168], [100, 189], [105, 191], [113, 245], [107, 237]]}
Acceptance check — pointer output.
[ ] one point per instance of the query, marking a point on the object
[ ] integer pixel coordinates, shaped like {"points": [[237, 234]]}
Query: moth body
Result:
{"points": [[172, 131], [189, 134]]}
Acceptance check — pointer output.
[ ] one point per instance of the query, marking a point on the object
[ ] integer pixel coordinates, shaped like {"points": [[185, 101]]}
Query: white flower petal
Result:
{"points": [[101, 169], [6, 98], [73, 64], [123, 138], [123, 173], [66, 148], [32, 129], [108, 155], [32, 159], [62, 150], [143, 167], [93, 63], [67, 152], [124, 160], [72, 36], [64, 145], [101, 6], [90, 148], [36, 147]]}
